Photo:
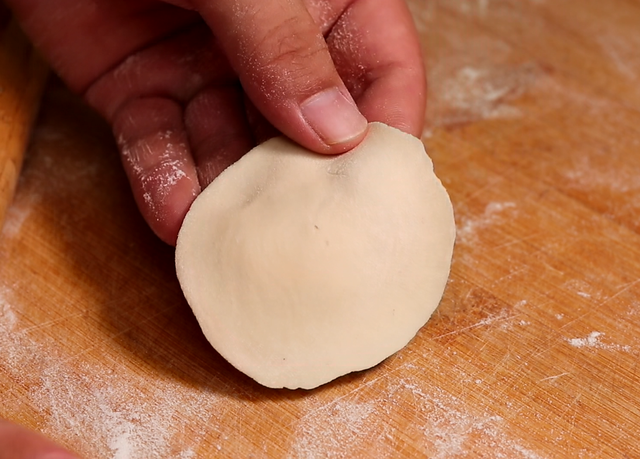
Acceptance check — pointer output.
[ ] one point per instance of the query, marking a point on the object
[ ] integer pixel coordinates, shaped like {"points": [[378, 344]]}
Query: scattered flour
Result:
{"points": [[450, 429], [599, 174], [634, 309], [493, 214], [477, 93], [97, 408], [503, 318], [585, 290], [332, 431], [441, 425], [593, 341]]}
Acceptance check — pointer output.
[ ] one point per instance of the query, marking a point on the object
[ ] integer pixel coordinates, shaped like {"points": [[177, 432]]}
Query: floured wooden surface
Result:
{"points": [[533, 127]]}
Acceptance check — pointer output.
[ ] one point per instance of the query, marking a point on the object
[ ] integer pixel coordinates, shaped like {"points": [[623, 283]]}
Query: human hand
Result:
{"points": [[16, 442], [189, 86]]}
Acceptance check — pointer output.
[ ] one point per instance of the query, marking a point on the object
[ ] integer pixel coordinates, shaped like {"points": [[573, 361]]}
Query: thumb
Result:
{"points": [[285, 68]]}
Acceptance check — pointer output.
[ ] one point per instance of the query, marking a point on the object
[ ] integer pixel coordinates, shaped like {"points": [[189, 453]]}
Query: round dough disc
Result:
{"points": [[303, 267]]}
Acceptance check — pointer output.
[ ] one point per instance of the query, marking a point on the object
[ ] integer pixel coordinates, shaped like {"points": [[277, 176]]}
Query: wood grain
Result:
{"points": [[534, 108]]}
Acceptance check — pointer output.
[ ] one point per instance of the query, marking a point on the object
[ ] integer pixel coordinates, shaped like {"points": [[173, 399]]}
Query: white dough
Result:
{"points": [[303, 267]]}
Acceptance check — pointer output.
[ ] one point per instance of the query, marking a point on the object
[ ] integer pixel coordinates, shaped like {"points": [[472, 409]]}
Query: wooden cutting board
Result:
{"points": [[534, 127]]}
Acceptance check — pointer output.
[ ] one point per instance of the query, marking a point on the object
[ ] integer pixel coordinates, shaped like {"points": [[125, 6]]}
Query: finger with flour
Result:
{"points": [[157, 159], [376, 50], [284, 66]]}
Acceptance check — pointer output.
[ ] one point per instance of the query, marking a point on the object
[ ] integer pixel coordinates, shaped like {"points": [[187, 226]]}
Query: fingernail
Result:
{"points": [[334, 117]]}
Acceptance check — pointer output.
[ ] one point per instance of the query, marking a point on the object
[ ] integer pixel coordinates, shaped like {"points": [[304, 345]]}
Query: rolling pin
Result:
{"points": [[22, 78]]}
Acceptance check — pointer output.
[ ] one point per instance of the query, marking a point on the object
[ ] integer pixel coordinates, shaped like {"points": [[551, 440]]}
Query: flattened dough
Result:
{"points": [[301, 267]]}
